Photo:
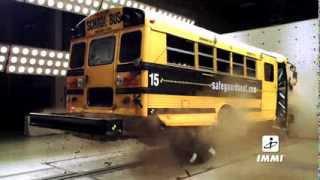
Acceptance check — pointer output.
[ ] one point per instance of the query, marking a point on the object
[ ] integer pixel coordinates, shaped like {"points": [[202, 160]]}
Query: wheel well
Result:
{"points": [[223, 108]]}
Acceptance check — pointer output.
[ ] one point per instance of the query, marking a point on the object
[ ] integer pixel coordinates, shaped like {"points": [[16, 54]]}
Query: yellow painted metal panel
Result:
{"points": [[197, 119]]}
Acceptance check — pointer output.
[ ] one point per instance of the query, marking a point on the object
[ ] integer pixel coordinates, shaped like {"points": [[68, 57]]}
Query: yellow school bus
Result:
{"points": [[129, 68]]}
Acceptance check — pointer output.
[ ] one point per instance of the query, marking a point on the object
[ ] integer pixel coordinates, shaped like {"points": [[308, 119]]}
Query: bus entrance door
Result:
{"points": [[100, 72], [282, 95]]}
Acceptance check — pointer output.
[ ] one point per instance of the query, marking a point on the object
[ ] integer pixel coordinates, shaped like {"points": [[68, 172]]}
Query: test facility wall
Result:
{"points": [[298, 41]]}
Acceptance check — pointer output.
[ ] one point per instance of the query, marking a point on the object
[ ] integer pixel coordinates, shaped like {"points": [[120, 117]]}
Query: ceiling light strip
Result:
{"points": [[88, 7]]}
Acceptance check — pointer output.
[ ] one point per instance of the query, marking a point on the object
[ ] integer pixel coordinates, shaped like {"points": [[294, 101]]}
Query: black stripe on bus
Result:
{"points": [[184, 81], [181, 110], [75, 72], [75, 92], [183, 92]]}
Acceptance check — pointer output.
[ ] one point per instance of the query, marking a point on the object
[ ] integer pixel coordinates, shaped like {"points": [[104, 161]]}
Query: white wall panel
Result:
{"points": [[298, 41]]}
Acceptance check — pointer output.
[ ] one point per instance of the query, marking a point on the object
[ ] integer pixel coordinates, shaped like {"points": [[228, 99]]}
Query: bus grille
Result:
{"points": [[100, 97]]}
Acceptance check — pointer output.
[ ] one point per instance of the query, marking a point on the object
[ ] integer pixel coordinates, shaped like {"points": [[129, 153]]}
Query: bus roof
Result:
{"points": [[97, 23]]}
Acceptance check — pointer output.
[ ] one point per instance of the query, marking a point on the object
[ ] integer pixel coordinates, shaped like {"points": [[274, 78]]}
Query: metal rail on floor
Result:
{"points": [[105, 170]]}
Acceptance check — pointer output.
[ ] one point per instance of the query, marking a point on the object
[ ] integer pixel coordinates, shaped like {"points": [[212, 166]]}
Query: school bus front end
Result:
{"points": [[104, 76]]}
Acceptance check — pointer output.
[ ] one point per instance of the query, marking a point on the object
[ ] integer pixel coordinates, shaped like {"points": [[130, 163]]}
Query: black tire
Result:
{"points": [[187, 143], [231, 124]]}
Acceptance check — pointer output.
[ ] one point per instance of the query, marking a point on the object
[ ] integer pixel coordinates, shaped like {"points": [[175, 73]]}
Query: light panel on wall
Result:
{"points": [[4, 51], [36, 61], [88, 7]]}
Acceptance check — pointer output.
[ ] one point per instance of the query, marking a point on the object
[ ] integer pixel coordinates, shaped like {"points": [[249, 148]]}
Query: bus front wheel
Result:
{"points": [[231, 124], [189, 147]]}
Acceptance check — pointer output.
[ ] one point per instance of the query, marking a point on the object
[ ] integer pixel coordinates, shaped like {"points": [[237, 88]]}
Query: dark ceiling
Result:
{"points": [[233, 15], [32, 25]]}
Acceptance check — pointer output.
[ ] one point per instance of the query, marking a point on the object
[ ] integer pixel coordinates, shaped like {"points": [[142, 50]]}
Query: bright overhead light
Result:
{"points": [[58, 63], [51, 3], [85, 10], [148, 9], [65, 64], [105, 6], [55, 72], [48, 71], [63, 72], [43, 53], [122, 2], [15, 50], [52, 54], [41, 62], [12, 68], [50, 63], [1, 67], [41, 2], [32, 61], [141, 6], [67, 56], [129, 3], [23, 60], [60, 55], [34, 52], [39, 70], [135, 5], [60, 5], [77, 8], [4, 49], [13, 59], [2, 59], [25, 51], [21, 69], [69, 7], [30, 70], [96, 4], [89, 7], [88, 2], [93, 11]]}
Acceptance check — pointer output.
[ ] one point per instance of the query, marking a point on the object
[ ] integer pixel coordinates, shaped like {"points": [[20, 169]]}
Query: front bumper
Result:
{"points": [[88, 123]]}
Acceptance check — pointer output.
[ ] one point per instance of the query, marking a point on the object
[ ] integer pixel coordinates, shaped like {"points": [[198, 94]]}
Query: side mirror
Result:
{"points": [[292, 76], [295, 75]]}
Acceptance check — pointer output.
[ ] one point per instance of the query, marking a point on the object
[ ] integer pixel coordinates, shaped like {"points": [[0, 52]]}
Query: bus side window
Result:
{"points": [[251, 67], [130, 46], [205, 57], [223, 61], [268, 72], [238, 64], [180, 51]]}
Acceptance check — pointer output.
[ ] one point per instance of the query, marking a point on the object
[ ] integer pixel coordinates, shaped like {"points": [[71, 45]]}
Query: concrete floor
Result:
{"points": [[49, 156]]}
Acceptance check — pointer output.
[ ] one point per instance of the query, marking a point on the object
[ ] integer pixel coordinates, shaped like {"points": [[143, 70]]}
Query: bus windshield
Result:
{"points": [[77, 55], [102, 51]]}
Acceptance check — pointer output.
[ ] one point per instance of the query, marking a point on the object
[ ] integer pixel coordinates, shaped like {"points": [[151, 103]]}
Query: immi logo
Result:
{"points": [[270, 148]]}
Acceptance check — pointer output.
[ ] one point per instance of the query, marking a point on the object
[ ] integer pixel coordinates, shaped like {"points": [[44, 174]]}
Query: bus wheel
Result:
{"points": [[231, 124], [189, 148]]}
